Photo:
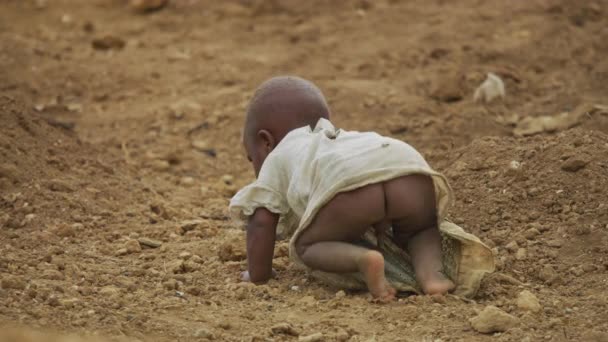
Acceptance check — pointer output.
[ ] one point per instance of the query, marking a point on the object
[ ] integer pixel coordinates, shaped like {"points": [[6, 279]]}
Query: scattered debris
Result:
{"points": [[492, 88]]}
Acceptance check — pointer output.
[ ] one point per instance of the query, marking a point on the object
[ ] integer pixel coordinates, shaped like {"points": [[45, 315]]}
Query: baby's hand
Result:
{"points": [[245, 275]]}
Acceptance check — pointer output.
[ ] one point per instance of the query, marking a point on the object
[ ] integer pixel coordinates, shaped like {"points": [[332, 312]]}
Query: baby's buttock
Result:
{"points": [[377, 204]]}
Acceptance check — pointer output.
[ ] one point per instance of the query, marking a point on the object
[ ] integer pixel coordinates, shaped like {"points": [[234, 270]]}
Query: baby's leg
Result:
{"points": [[325, 244], [411, 206]]}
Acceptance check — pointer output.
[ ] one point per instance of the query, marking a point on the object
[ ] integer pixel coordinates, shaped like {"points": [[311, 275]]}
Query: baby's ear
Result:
{"points": [[267, 139]]}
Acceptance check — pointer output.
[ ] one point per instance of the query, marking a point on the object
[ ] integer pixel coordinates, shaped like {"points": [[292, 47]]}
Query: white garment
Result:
{"points": [[309, 167]]}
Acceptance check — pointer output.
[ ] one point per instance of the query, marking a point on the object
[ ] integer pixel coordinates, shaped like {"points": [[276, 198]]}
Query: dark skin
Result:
{"points": [[406, 203]]}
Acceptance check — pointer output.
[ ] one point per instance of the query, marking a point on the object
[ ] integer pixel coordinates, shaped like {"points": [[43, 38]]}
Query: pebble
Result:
{"points": [[340, 294], [188, 181], [204, 333], [109, 291], [160, 165], [316, 337], [200, 145], [574, 164], [147, 5], [228, 179], [491, 319], [13, 282], [521, 254], [548, 274], [492, 88], [132, 246], [149, 242], [512, 246], [527, 301], [531, 233], [285, 329], [108, 42]]}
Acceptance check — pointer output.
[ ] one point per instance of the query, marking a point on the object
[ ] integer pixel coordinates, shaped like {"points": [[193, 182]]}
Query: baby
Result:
{"points": [[327, 187]]}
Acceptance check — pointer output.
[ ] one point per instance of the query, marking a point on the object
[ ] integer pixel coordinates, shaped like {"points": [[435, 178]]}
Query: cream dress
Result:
{"points": [[310, 166]]}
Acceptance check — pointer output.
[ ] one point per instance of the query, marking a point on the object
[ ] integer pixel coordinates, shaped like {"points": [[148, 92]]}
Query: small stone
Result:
{"points": [[185, 255], [59, 186], [149, 242], [491, 319], [228, 179], [147, 5], [521, 254], [13, 282], [121, 252], [307, 300], [316, 337], [512, 246], [200, 145], [548, 274], [52, 275], [108, 42], [492, 88], [554, 243], [531, 233], [340, 294], [187, 181], [189, 225], [527, 301], [109, 291], [132, 246], [514, 167], [204, 333], [574, 164], [160, 165], [285, 329]]}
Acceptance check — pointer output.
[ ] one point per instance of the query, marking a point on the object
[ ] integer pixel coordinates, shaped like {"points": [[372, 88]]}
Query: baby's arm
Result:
{"points": [[261, 235]]}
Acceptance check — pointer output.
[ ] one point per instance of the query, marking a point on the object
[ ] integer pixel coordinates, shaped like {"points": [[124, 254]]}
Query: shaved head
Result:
{"points": [[282, 104]]}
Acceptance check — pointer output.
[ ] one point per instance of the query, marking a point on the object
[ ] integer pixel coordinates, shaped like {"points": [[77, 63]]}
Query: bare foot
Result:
{"points": [[372, 266], [435, 283]]}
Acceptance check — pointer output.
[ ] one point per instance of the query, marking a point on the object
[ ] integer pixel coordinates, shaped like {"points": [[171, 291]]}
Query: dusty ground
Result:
{"points": [[117, 127]]}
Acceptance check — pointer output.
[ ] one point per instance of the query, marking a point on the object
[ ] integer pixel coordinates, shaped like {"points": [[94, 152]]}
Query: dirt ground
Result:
{"points": [[119, 151]]}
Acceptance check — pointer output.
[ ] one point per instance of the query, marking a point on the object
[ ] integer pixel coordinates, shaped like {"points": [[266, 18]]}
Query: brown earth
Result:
{"points": [[120, 131]]}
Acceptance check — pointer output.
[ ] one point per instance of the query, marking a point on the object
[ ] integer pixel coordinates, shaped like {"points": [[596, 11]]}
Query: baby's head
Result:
{"points": [[279, 105]]}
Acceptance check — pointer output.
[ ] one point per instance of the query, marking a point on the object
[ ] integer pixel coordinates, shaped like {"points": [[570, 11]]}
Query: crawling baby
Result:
{"points": [[327, 187]]}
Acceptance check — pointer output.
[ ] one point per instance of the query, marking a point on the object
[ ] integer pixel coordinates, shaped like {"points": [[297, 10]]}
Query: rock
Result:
{"points": [[160, 165], [515, 168], [316, 337], [492, 88], [342, 335], [132, 246], [521, 254], [554, 243], [512, 246], [185, 255], [187, 181], [121, 252], [227, 252], [147, 5], [53, 301], [228, 179], [285, 329], [188, 225], [109, 291], [527, 301], [52, 275], [340, 294], [200, 145], [449, 89], [12, 282], [491, 319], [548, 274], [108, 42], [574, 164], [149, 242], [531, 233], [59, 186], [204, 333]]}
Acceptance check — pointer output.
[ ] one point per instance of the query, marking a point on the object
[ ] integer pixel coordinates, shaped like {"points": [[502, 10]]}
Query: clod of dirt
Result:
{"points": [[204, 333], [108, 42], [12, 282], [132, 246], [492, 88], [229, 252], [534, 125], [491, 319], [574, 164], [285, 329], [548, 274], [147, 5], [527, 301], [188, 225], [521, 254], [316, 337], [149, 242], [449, 89]]}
